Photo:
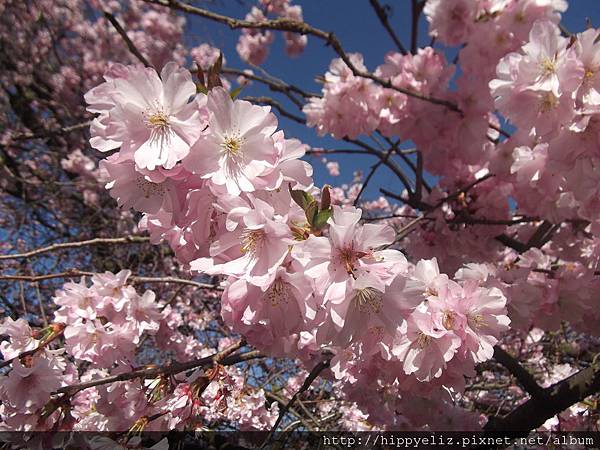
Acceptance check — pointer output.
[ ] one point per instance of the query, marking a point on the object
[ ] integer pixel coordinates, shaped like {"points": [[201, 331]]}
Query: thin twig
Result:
{"points": [[273, 84], [41, 302], [64, 245], [50, 133], [58, 330], [464, 190], [314, 373], [22, 298], [383, 18], [371, 173], [419, 177], [152, 371], [318, 152], [407, 229], [74, 273], [130, 45], [269, 101]]}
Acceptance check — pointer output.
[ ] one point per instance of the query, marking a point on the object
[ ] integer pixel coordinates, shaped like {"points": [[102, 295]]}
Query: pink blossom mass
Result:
{"points": [[173, 259]]}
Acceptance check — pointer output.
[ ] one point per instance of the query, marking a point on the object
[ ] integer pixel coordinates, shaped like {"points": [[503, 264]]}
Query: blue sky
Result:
{"points": [[359, 30]]}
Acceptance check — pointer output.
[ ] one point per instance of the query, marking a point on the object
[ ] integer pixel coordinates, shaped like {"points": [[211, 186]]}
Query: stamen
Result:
{"points": [[278, 293], [232, 144], [476, 320], [548, 66], [449, 319], [348, 258], [430, 292], [423, 340], [157, 119], [148, 188], [252, 240], [548, 102], [368, 300]]}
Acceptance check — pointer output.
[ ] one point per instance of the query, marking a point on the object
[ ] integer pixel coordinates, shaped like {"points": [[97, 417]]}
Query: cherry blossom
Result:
{"points": [[238, 146]]}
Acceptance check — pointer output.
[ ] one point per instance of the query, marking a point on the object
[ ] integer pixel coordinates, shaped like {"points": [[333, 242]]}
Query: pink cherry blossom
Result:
{"points": [[253, 247], [427, 346], [21, 338], [28, 387], [151, 118], [238, 145]]}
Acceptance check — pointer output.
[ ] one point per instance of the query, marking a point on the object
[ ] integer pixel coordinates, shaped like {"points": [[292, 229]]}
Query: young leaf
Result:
{"points": [[302, 199], [321, 218], [325, 198], [312, 211], [201, 89], [235, 92]]}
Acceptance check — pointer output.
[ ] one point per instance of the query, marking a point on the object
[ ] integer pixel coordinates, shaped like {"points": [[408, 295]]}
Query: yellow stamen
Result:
{"points": [[251, 240], [232, 145], [548, 66], [423, 340], [368, 300]]}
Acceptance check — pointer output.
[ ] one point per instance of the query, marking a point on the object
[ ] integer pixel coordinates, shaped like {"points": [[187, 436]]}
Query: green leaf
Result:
{"points": [[312, 210], [235, 92], [302, 199], [200, 88], [321, 219]]}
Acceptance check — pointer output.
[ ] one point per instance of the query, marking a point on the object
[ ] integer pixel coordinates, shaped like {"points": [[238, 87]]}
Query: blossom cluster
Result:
{"points": [[304, 277], [103, 326], [253, 44], [519, 69]]}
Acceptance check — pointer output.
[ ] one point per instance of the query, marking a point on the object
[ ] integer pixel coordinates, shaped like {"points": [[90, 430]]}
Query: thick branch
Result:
{"points": [[417, 7], [555, 399], [541, 236], [524, 378]]}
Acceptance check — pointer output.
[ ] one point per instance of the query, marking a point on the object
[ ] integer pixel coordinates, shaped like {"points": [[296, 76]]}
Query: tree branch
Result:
{"points": [[72, 273], [130, 45], [374, 168], [284, 24], [383, 18], [314, 373], [223, 357], [50, 133], [524, 378], [417, 7], [63, 245], [269, 101], [274, 85], [57, 331], [555, 399]]}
